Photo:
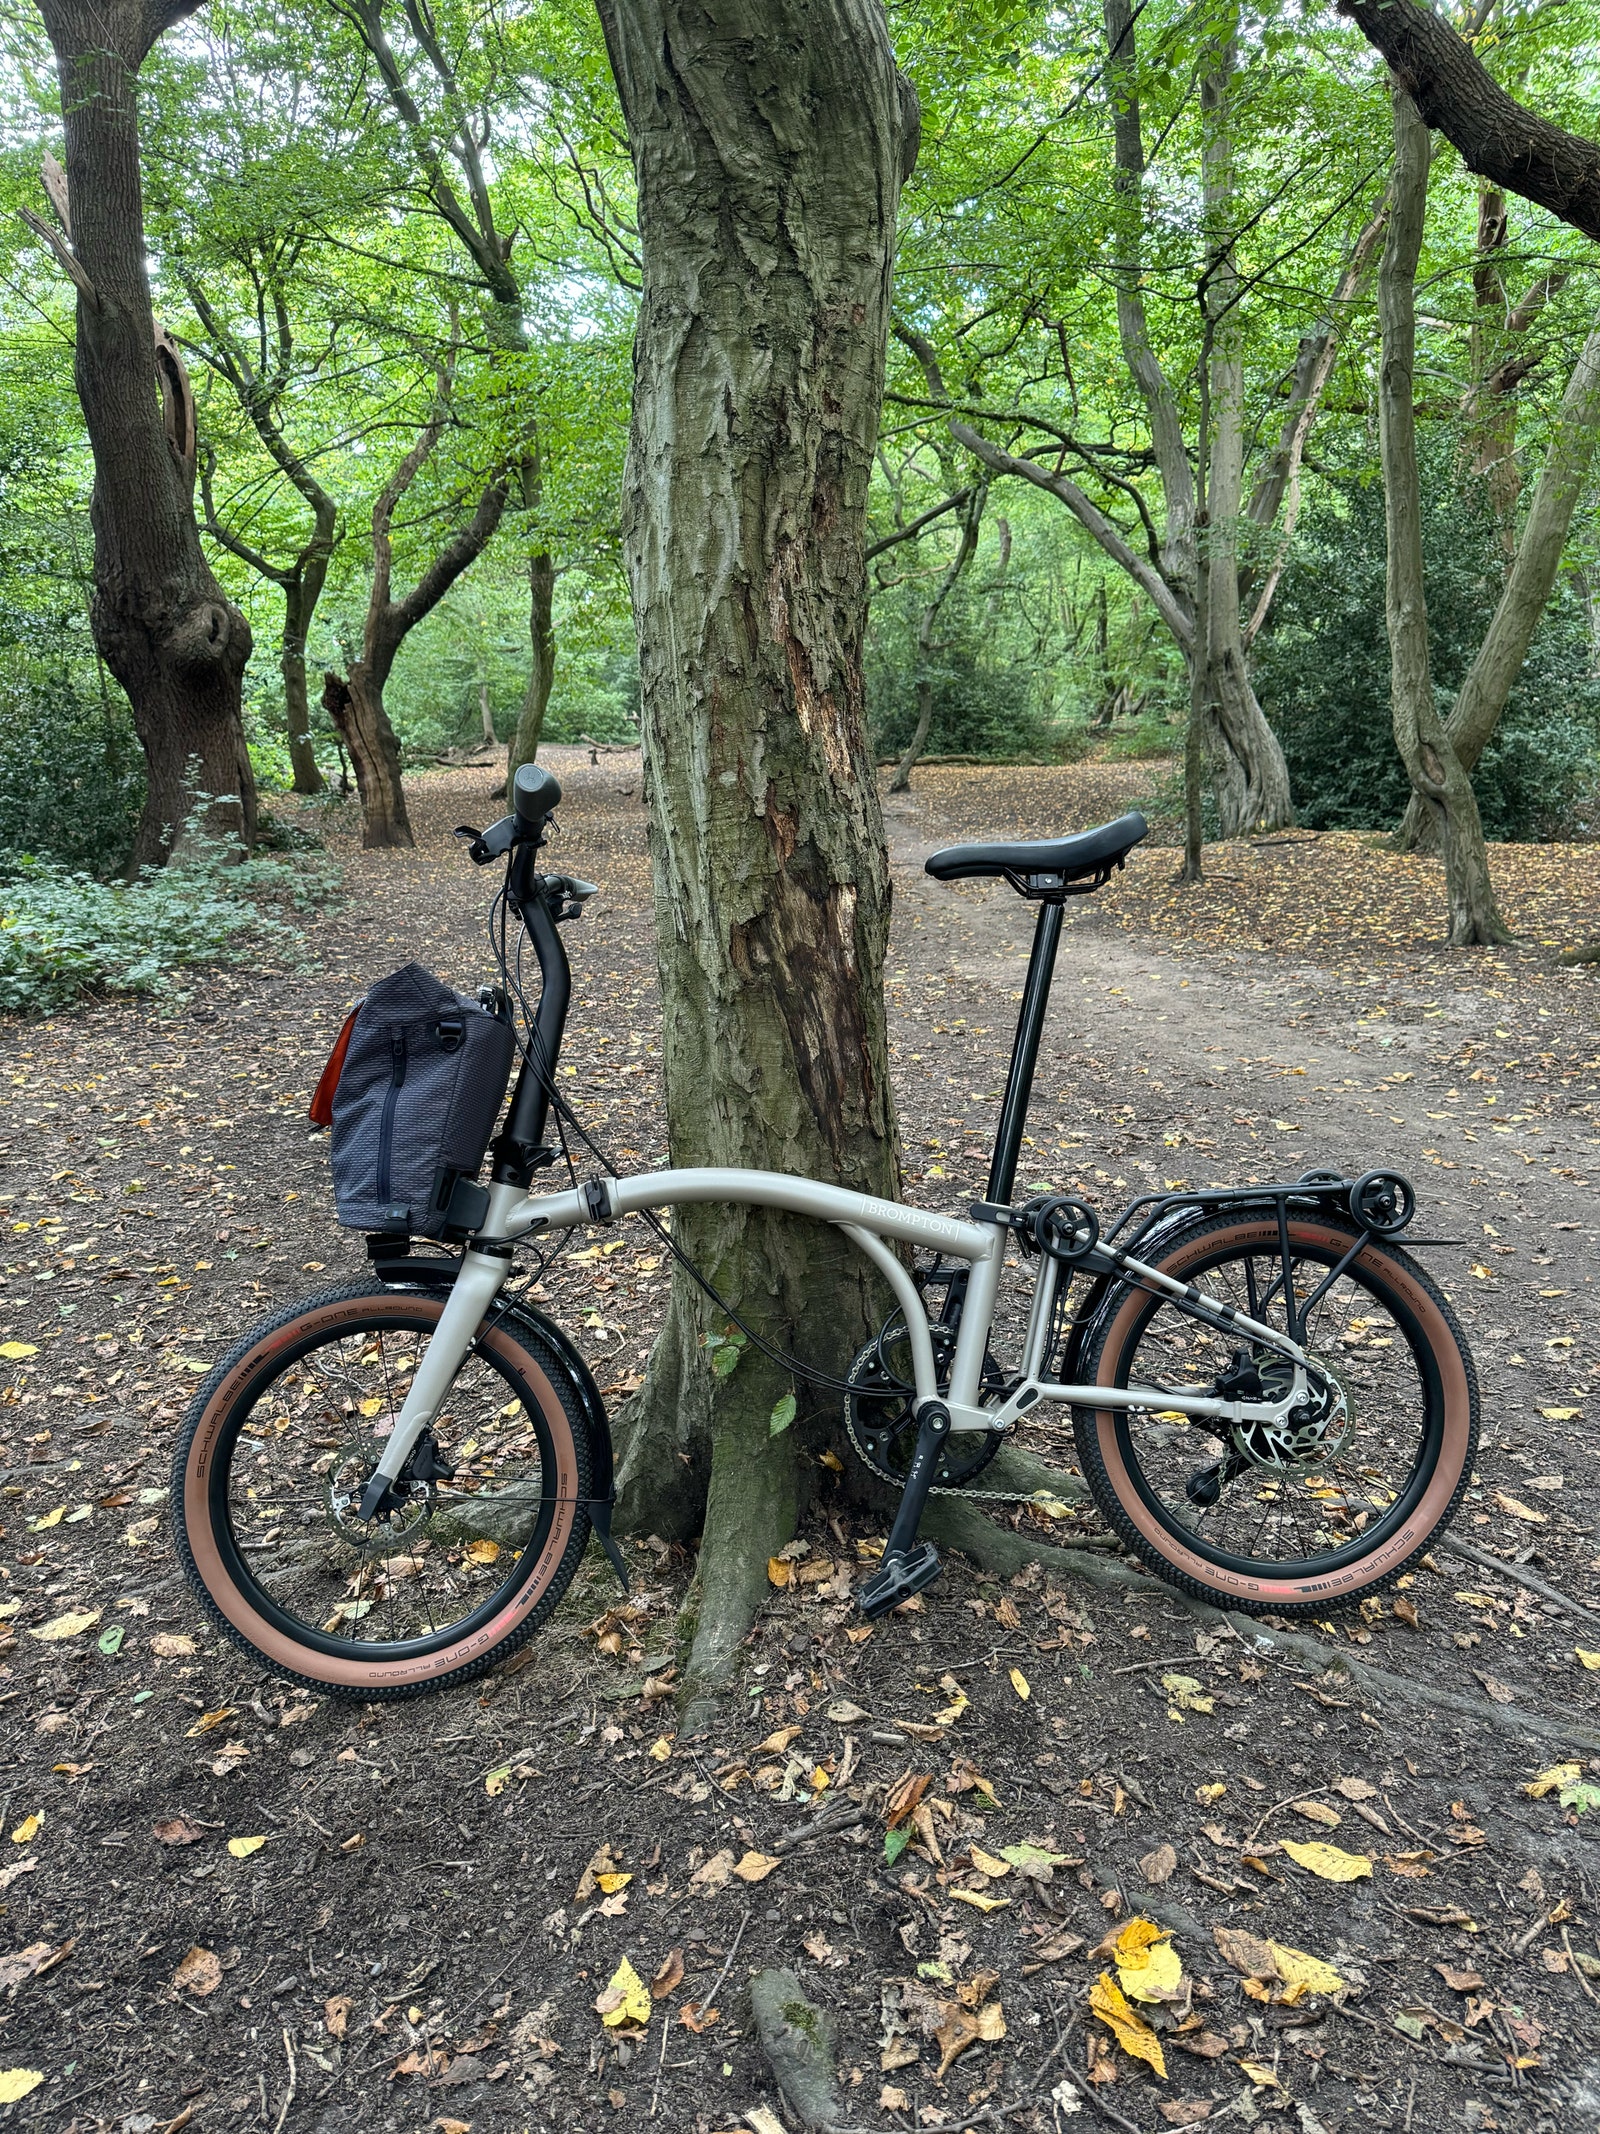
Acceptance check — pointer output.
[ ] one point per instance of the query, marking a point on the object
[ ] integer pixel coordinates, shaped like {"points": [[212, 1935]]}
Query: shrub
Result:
{"points": [[982, 706], [63, 934], [1323, 673], [71, 773]]}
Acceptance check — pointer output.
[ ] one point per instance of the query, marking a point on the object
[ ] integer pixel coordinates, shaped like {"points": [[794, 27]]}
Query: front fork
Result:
{"points": [[481, 1277]]}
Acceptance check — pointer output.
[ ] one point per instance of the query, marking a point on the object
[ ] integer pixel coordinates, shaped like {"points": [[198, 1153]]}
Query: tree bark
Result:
{"points": [[355, 703], [769, 139], [1529, 583], [161, 622], [542, 667], [1248, 768], [1494, 135], [1438, 777]]}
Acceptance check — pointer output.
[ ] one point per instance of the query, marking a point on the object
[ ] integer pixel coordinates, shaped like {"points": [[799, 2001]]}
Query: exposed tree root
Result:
{"points": [[797, 2038], [1454, 1546], [1589, 953], [998, 1549], [751, 1511]]}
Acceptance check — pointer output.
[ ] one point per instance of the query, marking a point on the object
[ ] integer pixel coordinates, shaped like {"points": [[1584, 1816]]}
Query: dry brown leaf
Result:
{"points": [[1159, 1866], [1186, 2111], [713, 1876], [199, 1973], [669, 1977], [904, 1796], [756, 1866], [1356, 1789], [1406, 1612], [1460, 1981], [1318, 1812], [336, 2012], [693, 2017], [177, 1830]]}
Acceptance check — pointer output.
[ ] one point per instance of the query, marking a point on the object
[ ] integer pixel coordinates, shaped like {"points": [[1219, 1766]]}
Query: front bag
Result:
{"points": [[421, 1085]]}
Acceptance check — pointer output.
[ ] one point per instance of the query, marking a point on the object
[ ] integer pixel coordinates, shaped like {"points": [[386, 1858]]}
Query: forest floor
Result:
{"points": [[415, 1945]]}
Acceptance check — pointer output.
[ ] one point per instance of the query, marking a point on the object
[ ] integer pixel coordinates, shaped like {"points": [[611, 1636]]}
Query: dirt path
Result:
{"points": [[421, 1862]]}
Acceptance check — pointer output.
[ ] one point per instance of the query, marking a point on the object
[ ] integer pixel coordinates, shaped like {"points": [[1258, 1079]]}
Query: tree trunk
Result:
{"points": [[1528, 585], [769, 140], [161, 622], [1248, 768], [1438, 777], [300, 596], [542, 671], [971, 518], [356, 704]]}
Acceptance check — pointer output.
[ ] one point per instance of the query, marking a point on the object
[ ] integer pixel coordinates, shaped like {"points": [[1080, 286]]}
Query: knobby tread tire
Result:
{"points": [[221, 1388], [1445, 1480]]}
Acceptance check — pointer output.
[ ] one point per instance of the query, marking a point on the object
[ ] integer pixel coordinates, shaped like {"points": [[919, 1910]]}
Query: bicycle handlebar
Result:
{"points": [[534, 795]]}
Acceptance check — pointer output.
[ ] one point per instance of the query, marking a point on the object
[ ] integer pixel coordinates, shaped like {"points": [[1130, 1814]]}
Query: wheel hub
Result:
{"points": [[1314, 1431]]}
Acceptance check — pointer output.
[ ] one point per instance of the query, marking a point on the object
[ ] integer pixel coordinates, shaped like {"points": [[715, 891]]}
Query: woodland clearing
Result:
{"points": [[232, 1904]]}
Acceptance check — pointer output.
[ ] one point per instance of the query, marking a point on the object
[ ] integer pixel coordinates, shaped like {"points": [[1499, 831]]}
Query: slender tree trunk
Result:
{"points": [[299, 599], [542, 669], [971, 519], [161, 622], [356, 709], [769, 139], [1248, 768], [1438, 777], [1529, 584]]}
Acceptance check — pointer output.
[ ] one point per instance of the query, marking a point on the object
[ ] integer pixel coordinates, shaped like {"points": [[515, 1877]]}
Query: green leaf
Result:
{"points": [[726, 1360], [110, 1641], [894, 1844], [1583, 1797], [783, 1415]]}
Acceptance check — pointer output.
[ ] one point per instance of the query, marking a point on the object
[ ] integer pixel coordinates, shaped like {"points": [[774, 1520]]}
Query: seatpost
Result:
{"points": [[1025, 1054]]}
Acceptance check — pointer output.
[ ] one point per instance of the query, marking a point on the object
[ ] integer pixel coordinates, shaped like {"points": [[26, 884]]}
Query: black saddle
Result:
{"points": [[1047, 867]]}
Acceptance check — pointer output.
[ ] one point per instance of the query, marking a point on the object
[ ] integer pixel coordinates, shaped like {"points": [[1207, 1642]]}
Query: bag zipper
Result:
{"points": [[391, 1097]]}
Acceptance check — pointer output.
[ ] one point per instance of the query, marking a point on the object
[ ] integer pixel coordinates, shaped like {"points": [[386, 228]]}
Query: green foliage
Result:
{"points": [[63, 934], [984, 704], [783, 1414], [1322, 674], [71, 773]]}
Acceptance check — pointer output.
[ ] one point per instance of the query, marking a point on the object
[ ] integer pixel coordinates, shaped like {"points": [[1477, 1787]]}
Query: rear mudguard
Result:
{"points": [[435, 1274]]}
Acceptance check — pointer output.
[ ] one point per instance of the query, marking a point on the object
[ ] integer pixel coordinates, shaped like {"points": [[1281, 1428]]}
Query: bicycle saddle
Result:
{"points": [[1046, 867]]}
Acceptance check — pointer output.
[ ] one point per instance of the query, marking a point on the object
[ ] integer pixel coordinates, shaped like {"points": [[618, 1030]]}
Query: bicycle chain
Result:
{"points": [[948, 1489]]}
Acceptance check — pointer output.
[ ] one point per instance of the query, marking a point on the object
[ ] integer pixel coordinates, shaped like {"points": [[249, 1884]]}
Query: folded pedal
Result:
{"points": [[897, 1578]]}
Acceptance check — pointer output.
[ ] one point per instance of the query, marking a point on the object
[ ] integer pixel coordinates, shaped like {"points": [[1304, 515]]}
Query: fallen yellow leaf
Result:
{"points": [[1126, 2025], [242, 1848], [495, 1782], [987, 1864], [27, 1830], [18, 2082], [978, 1901], [1260, 2074], [660, 1749], [18, 1352], [482, 1551], [1187, 1694], [1551, 1781], [1208, 1794], [1328, 1861], [775, 1744], [625, 2000], [1591, 1660], [756, 1866], [1295, 1968], [37, 1526], [208, 1720], [1519, 1510], [1147, 1963], [612, 1883], [779, 1573], [71, 1625], [1552, 1415], [1019, 1682]]}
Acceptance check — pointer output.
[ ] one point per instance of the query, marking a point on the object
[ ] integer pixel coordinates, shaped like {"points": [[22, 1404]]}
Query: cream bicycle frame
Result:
{"points": [[486, 1264]]}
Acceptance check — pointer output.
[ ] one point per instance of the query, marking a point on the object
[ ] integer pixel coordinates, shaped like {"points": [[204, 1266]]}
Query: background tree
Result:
{"points": [[162, 624], [769, 142]]}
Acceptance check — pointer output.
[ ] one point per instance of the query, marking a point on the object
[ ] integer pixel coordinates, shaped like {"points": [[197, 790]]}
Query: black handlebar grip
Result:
{"points": [[534, 793]]}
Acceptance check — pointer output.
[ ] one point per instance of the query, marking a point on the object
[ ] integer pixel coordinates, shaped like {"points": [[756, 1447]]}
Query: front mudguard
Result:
{"points": [[431, 1273]]}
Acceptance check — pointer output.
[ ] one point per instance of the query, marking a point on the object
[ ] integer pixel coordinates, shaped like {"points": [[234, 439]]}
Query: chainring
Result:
{"points": [[883, 1427]]}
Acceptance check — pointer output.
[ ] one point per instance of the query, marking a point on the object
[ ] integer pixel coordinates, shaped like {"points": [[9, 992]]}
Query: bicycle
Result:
{"points": [[387, 1487]]}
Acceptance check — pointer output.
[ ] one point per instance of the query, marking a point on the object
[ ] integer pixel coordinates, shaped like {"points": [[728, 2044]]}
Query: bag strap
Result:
{"points": [[321, 1108]]}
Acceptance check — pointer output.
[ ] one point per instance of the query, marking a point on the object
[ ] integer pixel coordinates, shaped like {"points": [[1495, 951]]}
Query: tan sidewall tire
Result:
{"points": [[1123, 1504], [350, 1674]]}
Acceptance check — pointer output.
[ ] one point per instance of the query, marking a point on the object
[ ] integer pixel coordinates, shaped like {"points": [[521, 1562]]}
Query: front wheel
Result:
{"points": [[483, 1531], [1289, 1521]]}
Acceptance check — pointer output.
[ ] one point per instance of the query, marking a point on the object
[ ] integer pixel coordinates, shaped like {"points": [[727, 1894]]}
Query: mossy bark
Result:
{"points": [[769, 143]]}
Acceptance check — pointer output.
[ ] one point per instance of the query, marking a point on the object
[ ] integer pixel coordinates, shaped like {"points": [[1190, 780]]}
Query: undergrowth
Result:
{"points": [[63, 934]]}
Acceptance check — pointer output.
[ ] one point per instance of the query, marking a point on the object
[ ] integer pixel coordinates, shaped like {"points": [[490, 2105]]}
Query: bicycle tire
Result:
{"points": [[237, 1601], [1371, 1560]]}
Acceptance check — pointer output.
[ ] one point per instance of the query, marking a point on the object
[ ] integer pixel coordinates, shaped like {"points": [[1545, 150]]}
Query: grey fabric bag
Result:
{"points": [[421, 1087]]}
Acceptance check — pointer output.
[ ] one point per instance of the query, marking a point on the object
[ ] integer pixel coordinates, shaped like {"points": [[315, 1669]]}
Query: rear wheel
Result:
{"points": [[1335, 1503], [481, 1535]]}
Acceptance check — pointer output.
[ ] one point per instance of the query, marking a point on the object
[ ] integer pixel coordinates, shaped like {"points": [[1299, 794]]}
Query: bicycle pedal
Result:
{"points": [[898, 1578]]}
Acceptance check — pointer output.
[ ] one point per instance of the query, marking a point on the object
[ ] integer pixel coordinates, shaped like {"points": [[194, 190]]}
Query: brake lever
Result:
{"points": [[491, 844]]}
